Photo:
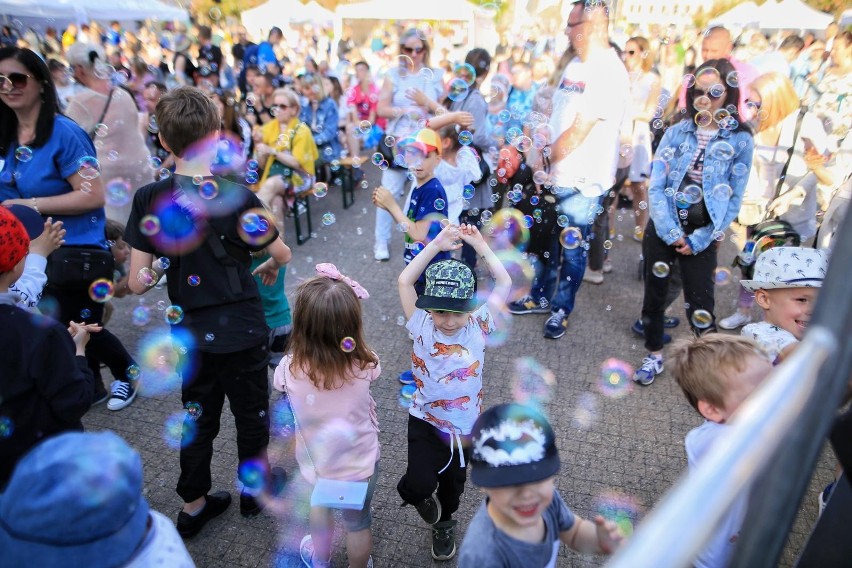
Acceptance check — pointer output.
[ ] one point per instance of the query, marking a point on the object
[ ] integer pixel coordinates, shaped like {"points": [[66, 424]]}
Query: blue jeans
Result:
{"points": [[581, 212], [542, 286]]}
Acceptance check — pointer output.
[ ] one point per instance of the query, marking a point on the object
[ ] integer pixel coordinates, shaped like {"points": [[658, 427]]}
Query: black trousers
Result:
{"points": [[242, 377], [698, 287], [428, 453]]}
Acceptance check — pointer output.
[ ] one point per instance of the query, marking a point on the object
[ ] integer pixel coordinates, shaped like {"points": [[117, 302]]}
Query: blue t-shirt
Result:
{"points": [[265, 55], [45, 175], [486, 545], [428, 200]]}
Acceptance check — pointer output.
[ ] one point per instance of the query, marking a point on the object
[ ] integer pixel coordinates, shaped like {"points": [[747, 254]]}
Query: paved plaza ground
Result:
{"points": [[626, 449]]}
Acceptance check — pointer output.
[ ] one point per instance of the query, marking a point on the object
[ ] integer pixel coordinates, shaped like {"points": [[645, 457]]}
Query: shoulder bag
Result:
{"points": [[331, 493], [103, 115]]}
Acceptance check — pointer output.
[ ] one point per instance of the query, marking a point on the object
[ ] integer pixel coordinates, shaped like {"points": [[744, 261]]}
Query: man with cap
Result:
{"points": [[45, 237], [523, 518], [45, 382], [76, 500]]}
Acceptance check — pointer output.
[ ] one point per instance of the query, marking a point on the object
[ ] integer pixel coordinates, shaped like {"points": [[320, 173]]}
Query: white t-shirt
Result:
{"points": [[770, 337], [454, 178], [163, 546], [594, 89], [719, 548], [448, 371]]}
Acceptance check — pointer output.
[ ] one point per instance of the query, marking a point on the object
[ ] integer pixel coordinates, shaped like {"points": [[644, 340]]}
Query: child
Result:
{"points": [[785, 285], [716, 374], [449, 332], [201, 231], [523, 517], [427, 204], [44, 388], [276, 309], [327, 377], [459, 167], [45, 237], [76, 499]]}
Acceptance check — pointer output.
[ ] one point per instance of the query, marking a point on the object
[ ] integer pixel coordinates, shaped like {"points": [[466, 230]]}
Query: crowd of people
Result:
{"points": [[132, 158]]}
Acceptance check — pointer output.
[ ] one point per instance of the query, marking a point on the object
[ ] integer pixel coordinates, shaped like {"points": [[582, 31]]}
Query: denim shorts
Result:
{"points": [[355, 521]]}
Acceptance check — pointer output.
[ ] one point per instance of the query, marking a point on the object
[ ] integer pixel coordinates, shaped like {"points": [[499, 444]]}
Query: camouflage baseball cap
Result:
{"points": [[450, 287]]}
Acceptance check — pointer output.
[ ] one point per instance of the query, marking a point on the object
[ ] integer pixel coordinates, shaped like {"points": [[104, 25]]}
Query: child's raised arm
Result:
{"points": [[598, 537], [281, 255], [447, 240], [417, 230], [502, 281]]}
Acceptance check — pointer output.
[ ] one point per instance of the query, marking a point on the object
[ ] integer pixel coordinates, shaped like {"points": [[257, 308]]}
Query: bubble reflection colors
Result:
{"points": [[101, 290], [164, 355], [347, 345], [141, 316], [532, 383], [178, 431], [615, 378], [508, 229], [571, 237], [701, 319], [193, 410], [256, 227], [620, 508], [660, 269], [173, 315]]}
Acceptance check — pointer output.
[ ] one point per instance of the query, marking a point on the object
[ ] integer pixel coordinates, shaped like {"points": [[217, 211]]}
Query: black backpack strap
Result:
{"points": [[103, 115]]}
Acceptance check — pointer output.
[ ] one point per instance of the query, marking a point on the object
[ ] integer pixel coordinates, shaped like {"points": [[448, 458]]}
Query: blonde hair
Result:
{"points": [[327, 312], [290, 95], [645, 47], [778, 99], [313, 81], [703, 367]]}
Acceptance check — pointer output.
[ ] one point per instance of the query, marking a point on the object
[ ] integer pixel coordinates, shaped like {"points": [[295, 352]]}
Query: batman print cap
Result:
{"points": [[513, 444]]}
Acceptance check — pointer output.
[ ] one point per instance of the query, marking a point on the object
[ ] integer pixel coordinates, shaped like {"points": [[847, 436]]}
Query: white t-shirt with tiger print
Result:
{"points": [[448, 371]]}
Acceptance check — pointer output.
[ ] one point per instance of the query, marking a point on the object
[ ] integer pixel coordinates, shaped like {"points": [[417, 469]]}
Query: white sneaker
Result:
{"points": [[735, 320], [607, 266], [593, 276], [651, 367], [380, 251]]}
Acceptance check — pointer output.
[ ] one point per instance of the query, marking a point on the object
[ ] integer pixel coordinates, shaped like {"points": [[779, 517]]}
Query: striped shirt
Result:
{"points": [[696, 168]]}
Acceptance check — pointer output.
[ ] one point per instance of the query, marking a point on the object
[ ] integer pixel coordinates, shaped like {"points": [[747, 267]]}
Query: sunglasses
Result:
{"points": [[413, 50], [631, 52], [703, 93], [13, 81]]}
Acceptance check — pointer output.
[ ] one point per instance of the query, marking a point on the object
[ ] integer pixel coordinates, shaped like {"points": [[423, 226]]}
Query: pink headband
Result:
{"points": [[328, 270]]}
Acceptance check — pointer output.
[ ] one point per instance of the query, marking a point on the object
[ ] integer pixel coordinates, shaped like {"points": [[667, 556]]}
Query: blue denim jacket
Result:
{"points": [[324, 127], [724, 154]]}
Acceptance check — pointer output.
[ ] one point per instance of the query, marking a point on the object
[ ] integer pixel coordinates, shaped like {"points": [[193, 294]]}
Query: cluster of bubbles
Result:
{"points": [[256, 227]]}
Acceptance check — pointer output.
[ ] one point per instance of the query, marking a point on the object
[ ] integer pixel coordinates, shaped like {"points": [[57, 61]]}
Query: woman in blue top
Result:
{"points": [[49, 165], [698, 178], [321, 115]]}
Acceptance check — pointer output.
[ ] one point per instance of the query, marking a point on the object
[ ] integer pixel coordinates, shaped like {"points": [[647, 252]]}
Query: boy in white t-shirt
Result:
{"points": [[785, 285], [717, 373], [449, 332]]}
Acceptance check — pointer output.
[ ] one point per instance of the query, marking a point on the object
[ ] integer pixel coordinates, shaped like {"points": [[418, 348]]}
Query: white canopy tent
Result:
{"points": [[742, 15], [791, 15], [258, 21], [846, 18], [436, 10], [85, 10], [57, 9]]}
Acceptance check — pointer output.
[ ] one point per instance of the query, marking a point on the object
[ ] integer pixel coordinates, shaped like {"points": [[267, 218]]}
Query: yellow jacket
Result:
{"points": [[297, 139]]}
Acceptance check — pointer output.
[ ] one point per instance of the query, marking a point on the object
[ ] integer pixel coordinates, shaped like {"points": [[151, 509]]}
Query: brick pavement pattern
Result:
{"points": [[632, 444]]}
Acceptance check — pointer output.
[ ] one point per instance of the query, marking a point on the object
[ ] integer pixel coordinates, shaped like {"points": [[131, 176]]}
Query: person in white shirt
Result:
{"points": [[587, 113]]}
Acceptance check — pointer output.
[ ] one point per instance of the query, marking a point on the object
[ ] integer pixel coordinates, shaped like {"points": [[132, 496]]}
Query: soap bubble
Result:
{"points": [[88, 167], [660, 269], [174, 315], [101, 290], [256, 227], [193, 280], [532, 383], [571, 238], [347, 345], [23, 154], [465, 138], [702, 319], [615, 379], [328, 219], [208, 189], [440, 204], [193, 410], [320, 189], [147, 277]]}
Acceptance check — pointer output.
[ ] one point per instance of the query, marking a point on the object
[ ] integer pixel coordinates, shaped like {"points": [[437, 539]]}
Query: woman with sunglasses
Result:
{"points": [[775, 108], [698, 177], [409, 94], [49, 165], [645, 88], [287, 152], [108, 114]]}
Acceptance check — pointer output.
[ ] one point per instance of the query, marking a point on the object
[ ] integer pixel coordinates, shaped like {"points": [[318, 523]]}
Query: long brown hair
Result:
{"points": [[326, 313]]}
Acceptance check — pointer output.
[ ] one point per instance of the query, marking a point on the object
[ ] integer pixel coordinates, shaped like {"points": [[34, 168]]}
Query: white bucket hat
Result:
{"points": [[788, 267]]}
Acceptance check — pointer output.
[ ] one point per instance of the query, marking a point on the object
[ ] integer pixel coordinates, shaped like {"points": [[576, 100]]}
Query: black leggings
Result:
{"points": [[698, 287]]}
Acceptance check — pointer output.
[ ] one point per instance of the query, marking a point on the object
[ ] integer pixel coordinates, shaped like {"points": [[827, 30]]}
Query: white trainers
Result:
{"points": [[593, 276], [607, 266], [651, 367], [122, 394], [380, 251], [735, 320]]}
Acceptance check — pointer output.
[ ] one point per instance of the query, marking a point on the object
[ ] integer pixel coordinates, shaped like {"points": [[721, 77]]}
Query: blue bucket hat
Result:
{"points": [[74, 500]]}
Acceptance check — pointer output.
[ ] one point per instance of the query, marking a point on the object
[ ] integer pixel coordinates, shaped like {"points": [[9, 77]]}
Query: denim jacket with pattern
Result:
{"points": [[727, 162]]}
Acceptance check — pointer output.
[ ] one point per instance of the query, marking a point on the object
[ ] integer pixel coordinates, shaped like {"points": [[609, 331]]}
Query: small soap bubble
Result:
{"points": [[6, 427], [571, 238], [178, 432], [208, 189], [141, 315], [251, 177], [328, 219], [88, 167], [615, 378], [252, 165], [101, 130], [468, 191], [101, 290], [85, 313], [256, 226], [164, 262], [440, 204], [465, 138], [320, 189], [702, 319], [174, 315], [347, 345], [147, 277], [660, 269], [722, 276], [209, 337], [400, 320], [193, 279], [23, 154]]}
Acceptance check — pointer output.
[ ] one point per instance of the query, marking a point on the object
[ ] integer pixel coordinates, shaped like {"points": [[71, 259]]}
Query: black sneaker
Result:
{"points": [[429, 509], [529, 305], [639, 329], [123, 394], [189, 526], [556, 325], [250, 505], [443, 540]]}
